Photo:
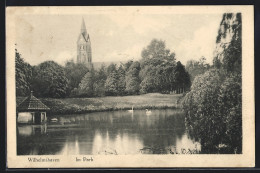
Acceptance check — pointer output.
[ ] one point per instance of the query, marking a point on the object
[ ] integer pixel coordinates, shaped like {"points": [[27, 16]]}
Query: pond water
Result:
{"points": [[118, 132]]}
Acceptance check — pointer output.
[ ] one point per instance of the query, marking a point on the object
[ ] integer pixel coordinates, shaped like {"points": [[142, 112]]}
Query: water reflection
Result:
{"points": [[28, 130], [119, 132]]}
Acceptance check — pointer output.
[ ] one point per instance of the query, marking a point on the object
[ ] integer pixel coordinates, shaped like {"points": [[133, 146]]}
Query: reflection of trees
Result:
{"points": [[157, 130], [39, 144], [164, 131]]}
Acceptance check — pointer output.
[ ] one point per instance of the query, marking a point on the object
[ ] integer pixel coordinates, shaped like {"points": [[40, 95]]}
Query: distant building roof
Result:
{"points": [[98, 65], [31, 103]]}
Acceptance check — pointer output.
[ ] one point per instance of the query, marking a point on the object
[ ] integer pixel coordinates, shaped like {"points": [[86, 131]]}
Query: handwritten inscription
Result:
{"points": [[151, 150]]}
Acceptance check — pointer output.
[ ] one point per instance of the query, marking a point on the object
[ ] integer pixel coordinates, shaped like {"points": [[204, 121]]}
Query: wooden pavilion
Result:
{"points": [[32, 111]]}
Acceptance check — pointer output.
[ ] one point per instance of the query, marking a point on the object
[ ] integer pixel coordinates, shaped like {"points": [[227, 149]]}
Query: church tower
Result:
{"points": [[84, 54]]}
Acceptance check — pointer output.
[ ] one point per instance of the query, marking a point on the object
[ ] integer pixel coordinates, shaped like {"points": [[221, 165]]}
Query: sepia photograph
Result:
{"points": [[111, 86]]}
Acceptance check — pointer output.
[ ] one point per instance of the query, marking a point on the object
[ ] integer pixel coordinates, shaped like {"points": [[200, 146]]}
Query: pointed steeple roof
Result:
{"points": [[31, 103], [88, 39], [83, 26]]}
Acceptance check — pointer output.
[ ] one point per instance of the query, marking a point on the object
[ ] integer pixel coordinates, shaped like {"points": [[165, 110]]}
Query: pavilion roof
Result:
{"points": [[31, 103]]}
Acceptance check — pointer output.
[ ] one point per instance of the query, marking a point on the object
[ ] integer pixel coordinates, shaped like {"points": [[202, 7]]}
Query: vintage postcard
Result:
{"points": [[130, 86]]}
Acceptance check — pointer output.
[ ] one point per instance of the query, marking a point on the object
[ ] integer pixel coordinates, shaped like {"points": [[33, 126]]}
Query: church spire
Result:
{"points": [[83, 26], [84, 54]]}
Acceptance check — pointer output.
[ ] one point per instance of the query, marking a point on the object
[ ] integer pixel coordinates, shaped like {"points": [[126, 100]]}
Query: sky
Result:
{"points": [[115, 37]]}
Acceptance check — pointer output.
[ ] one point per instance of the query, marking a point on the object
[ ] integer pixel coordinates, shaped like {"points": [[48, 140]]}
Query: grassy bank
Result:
{"points": [[110, 103]]}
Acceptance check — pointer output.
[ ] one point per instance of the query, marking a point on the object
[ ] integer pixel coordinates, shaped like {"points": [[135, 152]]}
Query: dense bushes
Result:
{"points": [[213, 107], [214, 113], [230, 103], [203, 119]]}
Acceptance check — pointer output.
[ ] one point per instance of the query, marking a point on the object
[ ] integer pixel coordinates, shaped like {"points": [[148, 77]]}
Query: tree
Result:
{"points": [[99, 83], [148, 79], [111, 68], [213, 107], [74, 73], [121, 83], [23, 75], [157, 64], [228, 56], [111, 84], [230, 103], [195, 68], [202, 114], [86, 84], [128, 64], [156, 53], [213, 110], [168, 76], [181, 78], [132, 78], [49, 80]]}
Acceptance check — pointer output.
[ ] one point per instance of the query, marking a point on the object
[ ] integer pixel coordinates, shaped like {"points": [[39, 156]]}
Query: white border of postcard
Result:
{"points": [[247, 159]]}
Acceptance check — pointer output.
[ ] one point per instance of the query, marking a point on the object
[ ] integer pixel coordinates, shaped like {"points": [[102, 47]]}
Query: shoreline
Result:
{"points": [[119, 109], [110, 103]]}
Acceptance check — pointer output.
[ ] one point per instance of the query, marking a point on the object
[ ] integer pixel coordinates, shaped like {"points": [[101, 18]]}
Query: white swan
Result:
{"points": [[131, 110], [148, 112], [54, 120]]}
